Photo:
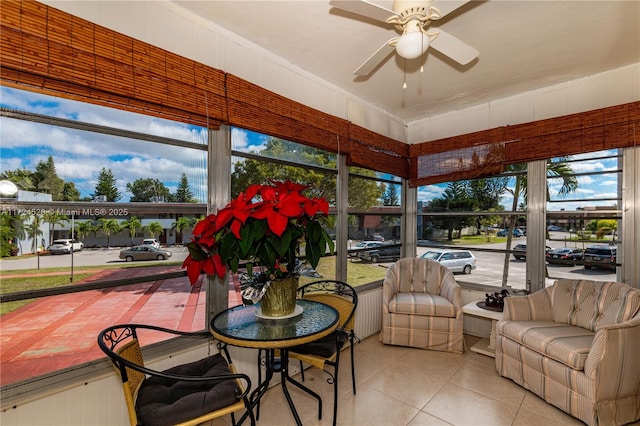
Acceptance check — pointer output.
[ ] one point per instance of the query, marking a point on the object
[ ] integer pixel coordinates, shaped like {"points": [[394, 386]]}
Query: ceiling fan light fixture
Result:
{"points": [[412, 45]]}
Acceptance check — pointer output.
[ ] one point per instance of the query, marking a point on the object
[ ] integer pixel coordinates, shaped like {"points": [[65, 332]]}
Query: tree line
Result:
{"points": [[45, 179], [17, 227]]}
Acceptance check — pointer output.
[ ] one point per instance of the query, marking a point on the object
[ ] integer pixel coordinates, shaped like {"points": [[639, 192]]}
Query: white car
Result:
{"points": [[455, 260], [151, 242], [65, 246]]}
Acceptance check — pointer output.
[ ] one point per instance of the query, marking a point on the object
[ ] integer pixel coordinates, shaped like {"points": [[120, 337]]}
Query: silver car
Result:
{"points": [[455, 260], [144, 253]]}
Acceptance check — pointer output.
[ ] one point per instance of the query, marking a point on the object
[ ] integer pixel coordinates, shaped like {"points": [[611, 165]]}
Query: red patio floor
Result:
{"points": [[60, 331]]}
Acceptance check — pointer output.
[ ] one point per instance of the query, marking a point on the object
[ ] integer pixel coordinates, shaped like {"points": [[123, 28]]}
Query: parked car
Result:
{"points": [[516, 233], [65, 246], [374, 237], [151, 242], [144, 252], [361, 246], [455, 260], [521, 251], [600, 256], [565, 256], [554, 228], [383, 252]]}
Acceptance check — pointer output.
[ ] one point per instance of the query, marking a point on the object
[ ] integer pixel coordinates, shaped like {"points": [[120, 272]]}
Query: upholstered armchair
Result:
{"points": [[422, 306]]}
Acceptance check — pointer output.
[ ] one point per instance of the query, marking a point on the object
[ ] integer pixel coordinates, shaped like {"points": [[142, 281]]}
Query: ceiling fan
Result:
{"points": [[412, 18]]}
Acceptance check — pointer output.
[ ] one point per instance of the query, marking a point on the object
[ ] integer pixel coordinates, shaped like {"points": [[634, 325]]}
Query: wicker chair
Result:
{"points": [[326, 351], [188, 394]]}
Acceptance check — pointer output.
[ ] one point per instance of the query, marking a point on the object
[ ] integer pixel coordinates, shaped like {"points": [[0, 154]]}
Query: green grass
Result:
{"points": [[12, 285], [469, 240], [358, 273]]}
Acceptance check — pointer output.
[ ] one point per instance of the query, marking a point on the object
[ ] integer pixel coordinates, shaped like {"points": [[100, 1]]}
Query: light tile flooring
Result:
{"points": [[404, 386]]}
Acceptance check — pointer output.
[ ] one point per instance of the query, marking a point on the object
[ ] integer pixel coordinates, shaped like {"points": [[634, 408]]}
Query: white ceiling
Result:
{"points": [[523, 45]]}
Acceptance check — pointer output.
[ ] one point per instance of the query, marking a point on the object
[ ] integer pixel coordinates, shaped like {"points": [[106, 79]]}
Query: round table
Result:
{"points": [[244, 326]]}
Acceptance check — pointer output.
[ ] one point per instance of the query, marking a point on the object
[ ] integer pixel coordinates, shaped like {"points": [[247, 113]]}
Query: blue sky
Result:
{"points": [[79, 156]]}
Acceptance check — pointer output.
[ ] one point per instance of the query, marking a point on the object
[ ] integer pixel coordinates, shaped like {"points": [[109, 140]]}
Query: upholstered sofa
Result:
{"points": [[422, 306], [576, 344]]}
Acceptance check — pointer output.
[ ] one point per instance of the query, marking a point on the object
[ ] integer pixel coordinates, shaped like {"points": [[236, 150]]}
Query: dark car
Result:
{"points": [[565, 256], [384, 252], [361, 247], [600, 256], [521, 251]]}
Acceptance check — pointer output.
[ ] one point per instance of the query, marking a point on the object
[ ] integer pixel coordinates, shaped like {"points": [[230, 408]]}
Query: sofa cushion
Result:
{"points": [[564, 343], [422, 304], [591, 304]]}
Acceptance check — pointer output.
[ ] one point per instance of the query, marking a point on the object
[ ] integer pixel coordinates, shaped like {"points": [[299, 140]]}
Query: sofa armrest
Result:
{"points": [[613, 360], [533, 307]]}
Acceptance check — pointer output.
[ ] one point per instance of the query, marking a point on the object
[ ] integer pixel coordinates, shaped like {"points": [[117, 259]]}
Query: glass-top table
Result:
{"points": [[244, 326]]}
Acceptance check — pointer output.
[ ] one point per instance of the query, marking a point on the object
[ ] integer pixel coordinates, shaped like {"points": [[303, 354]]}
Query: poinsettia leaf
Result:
{"points": [[314, 232], [267, 254], [283, 243], [329, 242], [258, 228], [221, 269], [228, 247], [246, 241], [208, 266], [277, 222], [193, 271], [313, 254], [196, 252]]}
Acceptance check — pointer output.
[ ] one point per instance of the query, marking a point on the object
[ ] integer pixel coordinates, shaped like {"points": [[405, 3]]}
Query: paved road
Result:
{"points": [[86, 257], [488, 271]]}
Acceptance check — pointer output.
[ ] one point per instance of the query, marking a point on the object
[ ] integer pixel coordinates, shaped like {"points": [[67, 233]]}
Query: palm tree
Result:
{"points": [[154, 228], [53, 218], [133, 224], [109, 226], [557, 168], [34, 231], [84, 228], [182, 224]]}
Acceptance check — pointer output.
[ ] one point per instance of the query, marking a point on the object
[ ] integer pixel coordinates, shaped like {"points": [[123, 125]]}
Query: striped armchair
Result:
{"points": [[576, 344], [422, 306]]}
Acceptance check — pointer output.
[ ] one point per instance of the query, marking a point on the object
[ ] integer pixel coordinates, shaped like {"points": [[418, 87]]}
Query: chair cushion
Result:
{"points": [[324, 347], [427, 304], [164, 401], [564, 343]]}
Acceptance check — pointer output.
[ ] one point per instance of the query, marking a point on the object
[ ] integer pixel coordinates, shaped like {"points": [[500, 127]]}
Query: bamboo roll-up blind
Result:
{"points": [[596, 130], [377, 152], [46, 50], [254, 108]]}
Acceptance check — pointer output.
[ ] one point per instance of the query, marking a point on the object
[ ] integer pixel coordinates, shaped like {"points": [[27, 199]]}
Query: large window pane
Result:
{"points": [[583, 221], [108, 180]]}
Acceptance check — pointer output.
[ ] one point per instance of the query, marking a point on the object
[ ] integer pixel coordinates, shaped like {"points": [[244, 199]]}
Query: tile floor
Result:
{"points": [[404, 386]]}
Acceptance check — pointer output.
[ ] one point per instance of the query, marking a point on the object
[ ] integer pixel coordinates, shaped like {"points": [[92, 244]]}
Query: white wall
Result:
{"points": [[614, 87]]}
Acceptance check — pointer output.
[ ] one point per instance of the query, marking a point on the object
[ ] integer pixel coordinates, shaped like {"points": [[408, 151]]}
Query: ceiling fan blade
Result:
{"points": [[445, 7], [364, 8], [453, 47], [375, 59]]}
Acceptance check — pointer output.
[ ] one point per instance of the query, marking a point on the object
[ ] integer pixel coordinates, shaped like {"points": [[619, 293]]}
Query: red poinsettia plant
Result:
{"points": [[264, 226]]}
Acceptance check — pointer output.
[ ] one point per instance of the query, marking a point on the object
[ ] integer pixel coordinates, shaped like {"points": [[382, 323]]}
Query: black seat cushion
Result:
{"points": [[324, 347], [164, 401]]}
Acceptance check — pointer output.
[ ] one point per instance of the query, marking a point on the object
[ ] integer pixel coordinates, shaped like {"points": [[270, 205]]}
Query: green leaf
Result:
{"points": [[281, 244], [196, 252], [247, 235], [228, 247]]}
